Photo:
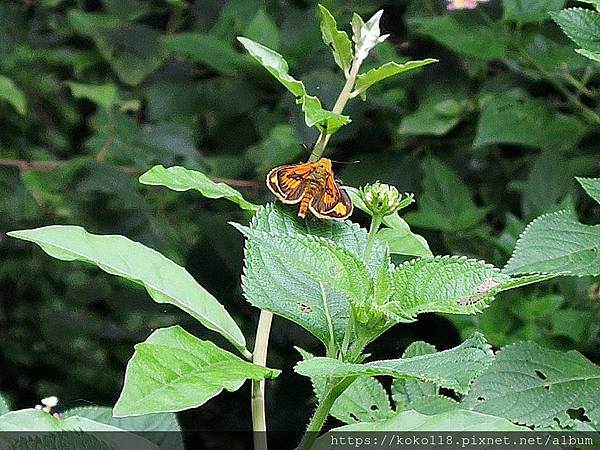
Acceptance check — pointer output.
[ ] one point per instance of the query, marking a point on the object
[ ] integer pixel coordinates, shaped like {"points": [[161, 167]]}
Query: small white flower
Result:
{"points": [[50, 402]]}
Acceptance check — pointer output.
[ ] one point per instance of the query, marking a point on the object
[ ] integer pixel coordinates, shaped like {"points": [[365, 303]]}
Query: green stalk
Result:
{"points": [[345, 95], [259, 423], [373, 229], [322, 412]]}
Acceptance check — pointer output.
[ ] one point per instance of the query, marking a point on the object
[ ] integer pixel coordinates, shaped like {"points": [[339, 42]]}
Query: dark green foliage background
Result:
{"points": [[487, 139]]}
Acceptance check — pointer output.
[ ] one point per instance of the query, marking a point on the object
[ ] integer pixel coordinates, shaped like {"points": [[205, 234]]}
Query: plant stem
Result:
{"points": [[345, 95], [322, 411], [375, 224], [259, 423]]}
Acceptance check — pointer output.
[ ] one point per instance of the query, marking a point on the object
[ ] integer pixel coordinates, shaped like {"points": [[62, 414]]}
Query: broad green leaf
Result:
{"points": [[173, 370], [454, 285], [533, 385], [161, 428], [13, 95], [405, 391], [594, 56], [34, 420], [262, 29], [478, 41], [71, 440], [452, 369], [127, 9], [4, 408], [366, 80], [516, 118], [591, 186], [323, 260], [275, 64], [181, 179], [165, 281], [454, 421], [337, 40], [365, 400], [274, 283], [446, 203], [557, 243], [524, 11], [435, 116], [134, 51], [581, 25], [366, 35], [206, 49], [398, 236], [314, 114], [104, 95]]}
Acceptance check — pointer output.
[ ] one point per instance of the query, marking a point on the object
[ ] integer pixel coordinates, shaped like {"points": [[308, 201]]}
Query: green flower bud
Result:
{"points": [[382, 199]]}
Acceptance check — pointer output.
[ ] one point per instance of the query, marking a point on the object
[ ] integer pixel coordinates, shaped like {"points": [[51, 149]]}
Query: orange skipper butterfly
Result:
{"points": [[314, 186]]}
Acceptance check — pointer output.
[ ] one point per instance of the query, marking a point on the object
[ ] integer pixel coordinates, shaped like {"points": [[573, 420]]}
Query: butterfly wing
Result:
{"points": [[333, 202], [288, 183]]}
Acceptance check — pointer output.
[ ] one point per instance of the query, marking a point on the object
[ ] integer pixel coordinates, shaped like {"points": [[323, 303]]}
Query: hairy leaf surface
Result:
{"points": [[453, 369], [533, 385]]}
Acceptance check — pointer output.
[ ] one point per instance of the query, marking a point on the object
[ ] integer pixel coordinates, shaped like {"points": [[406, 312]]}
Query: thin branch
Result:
{"points": [[51, 165], [259, 357]]}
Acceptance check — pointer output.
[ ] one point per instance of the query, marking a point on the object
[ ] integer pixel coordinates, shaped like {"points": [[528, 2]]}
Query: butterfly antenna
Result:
{"points": [[345, 162]]}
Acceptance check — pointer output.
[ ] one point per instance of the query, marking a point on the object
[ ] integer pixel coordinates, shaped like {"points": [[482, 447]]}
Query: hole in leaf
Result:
{"points": [[481, 398], [540, 375], [578, 414], [304, 307], [547, 387], [353, 416], [374, 407]]}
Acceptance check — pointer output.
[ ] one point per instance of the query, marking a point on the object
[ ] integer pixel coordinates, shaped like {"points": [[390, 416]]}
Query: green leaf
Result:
{"points": [[104, 95], [206, 49], [4, 408], [533, 385], [274, 283], [181, 179], [454, 421], [275, 64], [429, 119], [323, 260], [525, 11], [165, 281], [399, 237], [591, 186], [337, 40], [13, 95], [311, 106], [314, 114], [66, 440], [406, 391], [134, 51], [365, 400], [581, 25], [161, 428], [446, 203], [366, 80], [173, 370], [34, 420], [557, 243], [452, 369], [594, 56], [516, 118], [262, 29], [454, 285], [477, 41]]}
